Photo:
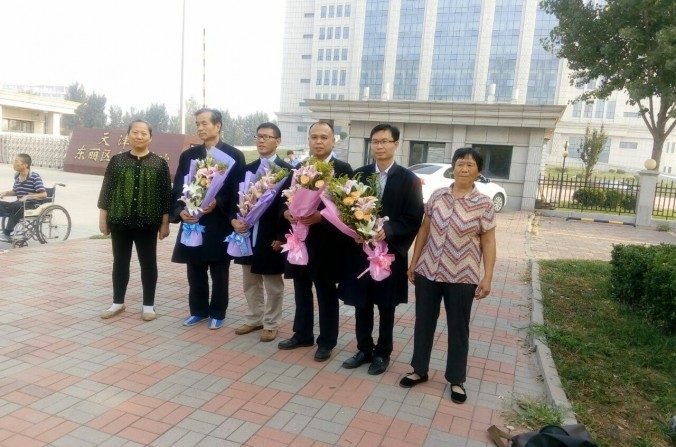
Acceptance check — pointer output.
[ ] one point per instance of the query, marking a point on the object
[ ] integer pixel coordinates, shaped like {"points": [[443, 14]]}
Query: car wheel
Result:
{"points": [[498, 202]]}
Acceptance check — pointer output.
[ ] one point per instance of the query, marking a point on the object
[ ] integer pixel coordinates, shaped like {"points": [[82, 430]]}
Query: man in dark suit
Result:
{"points": [[401, 197], [326, 252], [211, 256], [264, 268]]}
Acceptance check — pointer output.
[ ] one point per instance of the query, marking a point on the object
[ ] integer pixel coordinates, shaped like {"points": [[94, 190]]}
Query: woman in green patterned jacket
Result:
{"points": [[134, 210]]}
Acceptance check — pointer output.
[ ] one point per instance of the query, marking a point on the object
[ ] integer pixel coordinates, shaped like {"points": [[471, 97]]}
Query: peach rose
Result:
{"points": [[319, 184], [349, 201], [359, 215], [304, 179]]}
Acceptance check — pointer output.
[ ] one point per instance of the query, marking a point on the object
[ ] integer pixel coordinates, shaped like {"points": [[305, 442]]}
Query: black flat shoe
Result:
{"points": [[378, 365], [322, 354], [407, 382], [357, 360], [457, 397], [292, 343]]}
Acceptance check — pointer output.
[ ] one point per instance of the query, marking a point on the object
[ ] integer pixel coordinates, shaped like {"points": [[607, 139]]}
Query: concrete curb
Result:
{"points": [[550, 375]]}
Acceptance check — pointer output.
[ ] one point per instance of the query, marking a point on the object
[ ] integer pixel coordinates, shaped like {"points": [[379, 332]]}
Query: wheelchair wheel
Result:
{"points": [[53, 224]]}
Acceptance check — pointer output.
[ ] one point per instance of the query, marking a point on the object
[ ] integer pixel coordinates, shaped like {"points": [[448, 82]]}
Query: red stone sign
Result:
{"points": [[90, 150]]}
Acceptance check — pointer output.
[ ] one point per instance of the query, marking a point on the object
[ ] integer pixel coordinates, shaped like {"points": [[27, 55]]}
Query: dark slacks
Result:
{"points": [[13, 211], [327, 301], [458, 299], [198, 296], [364, 315], [145, 240]]}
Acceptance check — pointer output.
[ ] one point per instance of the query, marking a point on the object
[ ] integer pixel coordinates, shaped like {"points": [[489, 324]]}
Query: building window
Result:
{"points": [[497, 159], [341, 97], [302, 104], [628, 145], [346, 32], [339, 11], [333, 96], [630, 114], [325, 96], [304, 80], [309, 15], [344, 54], [328, 54], [610, 111], [600, 106], [320, 54], [347, 10], [329, 32], [302, 128], [334, 77], [577, 109], [336, 53], [588, 110], [368, 155], [307, 36], [11, 125], [318, 96], [337, 32], [319, 77], [323, 13], [322, 33], [343, 77], [327, 77], [306, 56], [332, 11]]}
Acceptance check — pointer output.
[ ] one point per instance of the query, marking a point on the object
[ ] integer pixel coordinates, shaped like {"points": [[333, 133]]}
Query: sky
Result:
{"points": [[130, 50]]}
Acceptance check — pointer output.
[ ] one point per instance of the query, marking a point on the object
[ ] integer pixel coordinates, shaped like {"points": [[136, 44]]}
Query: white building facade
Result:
{"points": [[445, 50]]}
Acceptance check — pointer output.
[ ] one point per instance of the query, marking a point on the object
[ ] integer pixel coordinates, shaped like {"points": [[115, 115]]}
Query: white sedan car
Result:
{"points": [[439, 175]]}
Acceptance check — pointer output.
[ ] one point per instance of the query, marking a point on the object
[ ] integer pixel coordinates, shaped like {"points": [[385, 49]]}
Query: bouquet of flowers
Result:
{"points": [[200, 186], [303, 198], [352, 210], [256, 194]]}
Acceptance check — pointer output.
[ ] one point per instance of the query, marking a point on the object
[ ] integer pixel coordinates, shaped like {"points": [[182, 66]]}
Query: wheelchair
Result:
{"points": [[48, 222]]}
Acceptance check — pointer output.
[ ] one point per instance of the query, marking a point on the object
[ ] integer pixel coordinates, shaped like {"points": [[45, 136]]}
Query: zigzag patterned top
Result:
{"points": [[452, 252]]}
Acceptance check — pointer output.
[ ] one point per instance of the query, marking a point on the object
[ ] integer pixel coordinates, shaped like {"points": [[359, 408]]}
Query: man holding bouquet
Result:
{"points": [[213, 219], [400, 194], [325, 247], [264, 268]]}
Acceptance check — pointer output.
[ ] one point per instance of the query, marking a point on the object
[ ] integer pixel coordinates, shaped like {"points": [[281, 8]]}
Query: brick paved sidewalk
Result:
{"points": [[68, 378]]}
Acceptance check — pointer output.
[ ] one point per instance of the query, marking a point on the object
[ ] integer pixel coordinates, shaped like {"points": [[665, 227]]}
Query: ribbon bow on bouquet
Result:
{"points": [[242, 242], [379, 261], [192, 234]]}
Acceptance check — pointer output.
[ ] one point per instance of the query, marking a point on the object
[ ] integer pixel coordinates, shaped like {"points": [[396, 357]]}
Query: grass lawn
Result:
{"points": [[572, 171], [617, 370]]}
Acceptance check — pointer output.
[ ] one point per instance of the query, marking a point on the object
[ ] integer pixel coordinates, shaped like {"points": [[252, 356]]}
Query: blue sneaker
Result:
{"points": [[215, 323], [193, 320]]}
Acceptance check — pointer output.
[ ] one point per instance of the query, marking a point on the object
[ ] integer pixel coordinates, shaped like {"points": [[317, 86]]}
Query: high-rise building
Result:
{"points": [[445, 50]]}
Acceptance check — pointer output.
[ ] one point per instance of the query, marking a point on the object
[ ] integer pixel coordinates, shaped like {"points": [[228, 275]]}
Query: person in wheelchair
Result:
{"points": [[29, 191]]}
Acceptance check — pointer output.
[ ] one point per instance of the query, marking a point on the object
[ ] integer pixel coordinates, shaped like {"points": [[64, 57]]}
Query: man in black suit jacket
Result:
{"points": [[326, 253], [212, 255], [264, 268], [400, 193]]}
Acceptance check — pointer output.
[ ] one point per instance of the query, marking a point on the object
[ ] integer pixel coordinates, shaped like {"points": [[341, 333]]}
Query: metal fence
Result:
{"points": [[45, 150], [664, 204], [607, 195]]}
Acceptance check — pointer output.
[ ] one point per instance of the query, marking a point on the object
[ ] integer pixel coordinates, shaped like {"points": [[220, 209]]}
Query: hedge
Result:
{"points": [[611, 199], [644, 277]]}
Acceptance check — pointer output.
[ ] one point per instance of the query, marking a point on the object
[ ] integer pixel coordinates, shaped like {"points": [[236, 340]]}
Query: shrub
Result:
{"points": [[612, 171], [644, 277], [588, 197], [621, 171], [613, 199], [629, 202]]}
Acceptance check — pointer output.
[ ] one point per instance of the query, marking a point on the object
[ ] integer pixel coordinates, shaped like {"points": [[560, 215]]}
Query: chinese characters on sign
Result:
{"points": [[102, 154]]}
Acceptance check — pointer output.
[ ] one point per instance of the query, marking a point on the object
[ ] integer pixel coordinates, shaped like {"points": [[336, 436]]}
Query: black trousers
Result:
{"points": [[13, 211], [327, 301], [364, 315], [145, 240], [458, 299], [198, 296]]}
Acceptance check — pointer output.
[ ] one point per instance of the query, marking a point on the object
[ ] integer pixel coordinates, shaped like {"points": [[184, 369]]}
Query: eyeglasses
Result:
{"points": [[381, 142], [264, 138]]}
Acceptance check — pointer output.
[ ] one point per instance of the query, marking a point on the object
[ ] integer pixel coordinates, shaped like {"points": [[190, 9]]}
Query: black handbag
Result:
{"points": [[575, 435]]}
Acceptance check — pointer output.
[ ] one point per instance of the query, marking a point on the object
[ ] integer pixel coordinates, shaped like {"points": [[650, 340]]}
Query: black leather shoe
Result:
{"points": [[322, 354], [407, 382], [379, 365], [458, 397], [357, 360], [292, 343]]}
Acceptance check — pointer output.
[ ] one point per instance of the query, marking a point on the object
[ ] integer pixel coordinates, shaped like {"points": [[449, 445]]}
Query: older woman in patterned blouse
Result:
{"points": [[458, 230]]}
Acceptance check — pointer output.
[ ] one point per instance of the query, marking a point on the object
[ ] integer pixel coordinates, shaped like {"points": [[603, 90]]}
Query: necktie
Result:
{"points": [[383, 180]]}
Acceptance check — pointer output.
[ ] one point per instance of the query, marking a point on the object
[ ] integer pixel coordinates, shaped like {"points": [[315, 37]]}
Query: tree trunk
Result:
{"points": [[658, 143]]}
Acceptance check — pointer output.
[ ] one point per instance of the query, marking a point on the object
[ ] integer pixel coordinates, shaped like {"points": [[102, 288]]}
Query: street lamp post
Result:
{"points": [[563, 169]]}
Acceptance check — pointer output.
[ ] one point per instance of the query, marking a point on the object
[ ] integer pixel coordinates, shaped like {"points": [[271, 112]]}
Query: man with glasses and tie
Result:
{"points": [[264, 268], [400, 193]]}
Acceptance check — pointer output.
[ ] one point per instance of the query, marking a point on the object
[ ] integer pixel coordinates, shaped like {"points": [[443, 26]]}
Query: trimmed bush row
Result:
{"points": [[605, 198], [644, 277]]}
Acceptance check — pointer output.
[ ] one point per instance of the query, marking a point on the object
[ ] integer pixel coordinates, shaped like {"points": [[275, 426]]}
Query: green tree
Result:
{"points": [[591, 149], [627, 45], [77, 93], [116, 117], [93, 112], [157, 116]]}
